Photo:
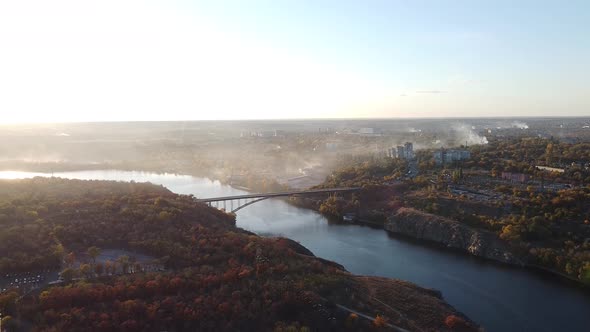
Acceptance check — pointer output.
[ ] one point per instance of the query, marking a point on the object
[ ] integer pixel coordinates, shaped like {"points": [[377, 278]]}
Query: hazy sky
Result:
{"points": [[177, 60]]}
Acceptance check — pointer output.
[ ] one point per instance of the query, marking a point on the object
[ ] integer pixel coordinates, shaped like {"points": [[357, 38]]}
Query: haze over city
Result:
{"points": [[294, 165], [68, 61]]}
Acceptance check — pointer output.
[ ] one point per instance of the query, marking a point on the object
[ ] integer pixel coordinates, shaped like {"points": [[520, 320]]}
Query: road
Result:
{"points": [[277, 194]]}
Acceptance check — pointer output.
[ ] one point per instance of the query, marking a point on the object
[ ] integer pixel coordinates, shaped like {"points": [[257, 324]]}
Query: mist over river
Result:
{"points": [[500, 298]]}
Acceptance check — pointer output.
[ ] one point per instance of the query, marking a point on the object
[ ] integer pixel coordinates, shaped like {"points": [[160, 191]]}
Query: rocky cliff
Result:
{"points": [[424, 226]]}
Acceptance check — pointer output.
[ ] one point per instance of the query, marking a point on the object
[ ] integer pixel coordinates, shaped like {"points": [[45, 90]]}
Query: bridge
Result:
{"points": [[245, 200]]}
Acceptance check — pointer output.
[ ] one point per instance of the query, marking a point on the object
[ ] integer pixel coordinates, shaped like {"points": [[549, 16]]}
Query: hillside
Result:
{"points": [[542, 220], [183, 267]]}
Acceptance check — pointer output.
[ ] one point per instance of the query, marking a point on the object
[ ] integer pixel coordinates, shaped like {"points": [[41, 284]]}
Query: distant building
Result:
{"points": [[578, 165], [558, 186], [332, 145], [409, 150], [443, 156], [401, 152], [367, 131], [262, 133], [551, 169], [515, 177], [391, 153], [405, 151]]}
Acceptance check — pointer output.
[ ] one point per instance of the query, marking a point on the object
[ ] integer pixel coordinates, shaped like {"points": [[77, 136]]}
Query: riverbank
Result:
{"points": [[452, 234], [497, 296], [212, 266], [406, 304], [448, 234]]}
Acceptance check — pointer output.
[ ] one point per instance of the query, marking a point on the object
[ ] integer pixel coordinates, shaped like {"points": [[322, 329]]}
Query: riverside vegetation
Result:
{"points": [[543, 222], [215, 276]]}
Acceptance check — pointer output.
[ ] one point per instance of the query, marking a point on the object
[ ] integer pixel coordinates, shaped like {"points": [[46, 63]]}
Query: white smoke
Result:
{"points": [[465, 134], [520, 125]]}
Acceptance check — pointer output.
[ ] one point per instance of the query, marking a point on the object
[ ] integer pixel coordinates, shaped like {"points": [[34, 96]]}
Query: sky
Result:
{"points": [[70, 61]]}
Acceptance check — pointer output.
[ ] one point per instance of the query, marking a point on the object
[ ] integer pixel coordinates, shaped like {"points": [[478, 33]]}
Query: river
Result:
{"points": [[500, 298]]}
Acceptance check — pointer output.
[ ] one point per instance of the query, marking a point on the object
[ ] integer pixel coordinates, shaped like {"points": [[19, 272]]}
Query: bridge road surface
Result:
{"points": [[277, 194]]}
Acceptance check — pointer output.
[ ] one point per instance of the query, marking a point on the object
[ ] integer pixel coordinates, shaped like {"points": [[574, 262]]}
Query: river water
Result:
{"points": [[498, 297]]}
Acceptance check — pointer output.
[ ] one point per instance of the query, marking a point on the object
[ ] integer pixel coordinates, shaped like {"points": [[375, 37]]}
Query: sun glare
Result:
{"points": [[173, 68]]}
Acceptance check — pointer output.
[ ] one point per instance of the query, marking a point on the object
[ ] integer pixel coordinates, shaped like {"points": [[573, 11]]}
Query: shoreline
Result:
{"points": [[299, 203], [434, 244]]}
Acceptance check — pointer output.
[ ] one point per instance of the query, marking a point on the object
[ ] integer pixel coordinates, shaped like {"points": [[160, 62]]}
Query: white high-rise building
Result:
{"points": [[405, 151], [401, 152], [409, 150]]}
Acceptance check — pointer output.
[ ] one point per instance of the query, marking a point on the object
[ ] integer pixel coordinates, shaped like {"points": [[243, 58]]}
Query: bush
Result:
{"points": [[453, 322], [380, 321]]}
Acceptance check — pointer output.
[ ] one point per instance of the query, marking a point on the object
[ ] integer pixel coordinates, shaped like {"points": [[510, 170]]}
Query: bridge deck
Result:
{"points": [[277, 194]]}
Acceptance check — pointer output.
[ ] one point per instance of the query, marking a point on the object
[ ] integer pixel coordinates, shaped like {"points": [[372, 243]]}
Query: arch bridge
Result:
{"points": [[245, 200]]}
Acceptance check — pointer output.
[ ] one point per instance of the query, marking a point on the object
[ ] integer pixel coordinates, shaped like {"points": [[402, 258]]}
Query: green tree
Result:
{"points": [[70, 259], [59, 250], [510, 233], [68, 274], [8, 324], [93, 252], [123, 262], [549, 154], [8, 301], [86, 270], [331, 206]]}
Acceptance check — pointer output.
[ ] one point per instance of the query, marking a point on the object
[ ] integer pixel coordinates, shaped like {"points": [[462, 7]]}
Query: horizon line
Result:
{"points": [[299, 119]]}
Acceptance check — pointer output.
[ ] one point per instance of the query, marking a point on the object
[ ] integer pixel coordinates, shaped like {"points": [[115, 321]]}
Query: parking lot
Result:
{"points": [[26, 281]]}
